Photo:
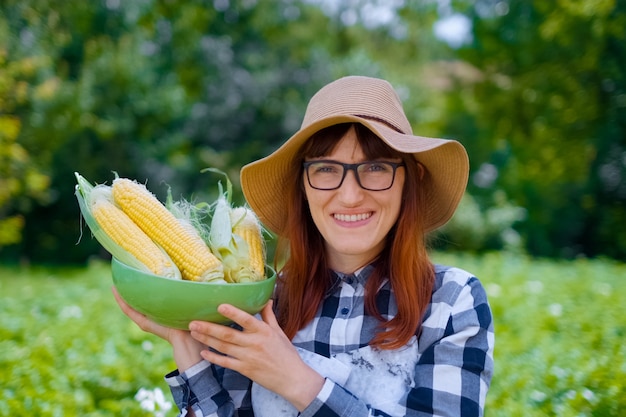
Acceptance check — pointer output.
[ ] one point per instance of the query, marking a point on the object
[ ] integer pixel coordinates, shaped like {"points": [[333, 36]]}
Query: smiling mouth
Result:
{"points": [[352, 217]]}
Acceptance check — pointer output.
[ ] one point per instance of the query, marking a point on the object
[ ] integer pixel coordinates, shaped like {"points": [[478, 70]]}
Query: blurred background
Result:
{"points": [[158, 90]]}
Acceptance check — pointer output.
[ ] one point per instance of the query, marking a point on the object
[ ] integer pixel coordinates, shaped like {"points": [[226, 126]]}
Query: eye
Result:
{"points": [[377, 167], [325, 168]]}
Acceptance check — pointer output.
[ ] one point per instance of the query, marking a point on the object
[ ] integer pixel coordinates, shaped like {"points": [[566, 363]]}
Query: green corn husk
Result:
{"points": [[83, 192], [229, 247]]}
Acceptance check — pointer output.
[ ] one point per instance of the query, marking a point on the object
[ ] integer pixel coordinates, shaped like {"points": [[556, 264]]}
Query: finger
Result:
{"points": [[217, 336], [219, 346], [220, 359], [247, 321], [126, 309], [268, 316], [140, 320]]}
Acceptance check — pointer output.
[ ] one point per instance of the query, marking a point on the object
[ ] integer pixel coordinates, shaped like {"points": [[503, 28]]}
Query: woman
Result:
{"points": [[362, 323]]}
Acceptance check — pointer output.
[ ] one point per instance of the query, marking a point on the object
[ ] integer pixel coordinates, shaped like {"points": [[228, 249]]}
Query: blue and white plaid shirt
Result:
{"points": [[454, 362]]}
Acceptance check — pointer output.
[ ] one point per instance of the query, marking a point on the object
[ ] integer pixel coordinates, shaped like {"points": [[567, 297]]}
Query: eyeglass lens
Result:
{"points": [[328, 175]]}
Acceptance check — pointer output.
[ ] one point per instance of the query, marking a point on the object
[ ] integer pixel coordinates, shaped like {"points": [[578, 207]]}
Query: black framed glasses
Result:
{"points": [[370, 175]]}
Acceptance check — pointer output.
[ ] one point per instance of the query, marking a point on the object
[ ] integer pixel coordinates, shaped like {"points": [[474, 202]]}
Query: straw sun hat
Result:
{"points": [[373, 103]]}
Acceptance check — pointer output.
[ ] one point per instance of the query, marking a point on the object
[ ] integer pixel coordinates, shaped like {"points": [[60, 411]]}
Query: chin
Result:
{"points": [[355, 249]]}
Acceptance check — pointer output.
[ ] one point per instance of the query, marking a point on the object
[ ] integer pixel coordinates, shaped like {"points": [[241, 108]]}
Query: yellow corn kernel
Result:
{"points": [[247, 225], [182, 242], [124, 232], [256, 252]]}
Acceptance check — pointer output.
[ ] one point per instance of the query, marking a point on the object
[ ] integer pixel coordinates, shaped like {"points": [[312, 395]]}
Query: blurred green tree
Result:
{"points": [[159, 90], [21, 181], [543, 101]]}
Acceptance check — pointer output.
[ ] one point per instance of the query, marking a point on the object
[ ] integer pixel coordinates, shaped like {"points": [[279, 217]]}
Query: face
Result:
{"points": [[353, 221]]}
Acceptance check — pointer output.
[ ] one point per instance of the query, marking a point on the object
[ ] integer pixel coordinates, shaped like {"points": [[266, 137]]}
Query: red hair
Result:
{"points": [[305, 277]]}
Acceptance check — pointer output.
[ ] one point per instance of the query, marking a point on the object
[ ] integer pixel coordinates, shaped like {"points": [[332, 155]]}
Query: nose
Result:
{"points": [[350, 191]]}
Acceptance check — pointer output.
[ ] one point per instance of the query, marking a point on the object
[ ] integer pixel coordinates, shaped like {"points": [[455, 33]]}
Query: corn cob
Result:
{"points": [[94, 200], [123, 231], [181, 241], [247, 225], [243, 253], [221, 239]]}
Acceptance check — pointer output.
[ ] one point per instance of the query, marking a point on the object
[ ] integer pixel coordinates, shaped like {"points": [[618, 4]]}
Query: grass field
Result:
{"points": [[67, 350]]}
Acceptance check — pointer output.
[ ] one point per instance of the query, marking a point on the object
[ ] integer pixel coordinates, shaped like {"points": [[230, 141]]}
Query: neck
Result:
{"points": [[348, 264]]}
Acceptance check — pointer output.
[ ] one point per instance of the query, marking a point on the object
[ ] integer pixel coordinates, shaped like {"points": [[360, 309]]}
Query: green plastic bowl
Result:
{"points": [[174, 303]]}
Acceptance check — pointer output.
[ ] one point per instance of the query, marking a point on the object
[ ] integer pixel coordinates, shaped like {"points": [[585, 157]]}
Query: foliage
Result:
{"points": [[20, 180], [66, 348], [159, 90], [541, 104], [473, 229], [559, 328]]}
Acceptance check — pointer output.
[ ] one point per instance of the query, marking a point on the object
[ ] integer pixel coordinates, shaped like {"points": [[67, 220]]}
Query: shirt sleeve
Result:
{"points": [[454, 371], [210, 391], [335, 401], [455, 366]]}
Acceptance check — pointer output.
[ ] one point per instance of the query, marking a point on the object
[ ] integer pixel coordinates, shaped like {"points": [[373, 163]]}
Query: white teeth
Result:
{"points": [[352, 217]]}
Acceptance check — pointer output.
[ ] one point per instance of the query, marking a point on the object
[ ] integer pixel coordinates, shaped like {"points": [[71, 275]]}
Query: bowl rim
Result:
{"points": [[271, 277]]}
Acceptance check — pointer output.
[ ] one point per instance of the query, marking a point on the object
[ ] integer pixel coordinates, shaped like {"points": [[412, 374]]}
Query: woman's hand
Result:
{"points": [[186, 349], [261, 351]]}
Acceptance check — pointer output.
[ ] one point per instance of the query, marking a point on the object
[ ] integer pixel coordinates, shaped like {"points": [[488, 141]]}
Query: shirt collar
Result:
{"points": [[359, 277]]}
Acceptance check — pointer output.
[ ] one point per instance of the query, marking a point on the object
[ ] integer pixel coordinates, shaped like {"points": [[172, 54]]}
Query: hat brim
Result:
{"points": [[446, 163]]}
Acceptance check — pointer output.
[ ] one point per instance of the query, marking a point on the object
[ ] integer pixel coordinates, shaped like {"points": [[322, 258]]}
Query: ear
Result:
{"points": [[421, 170]]}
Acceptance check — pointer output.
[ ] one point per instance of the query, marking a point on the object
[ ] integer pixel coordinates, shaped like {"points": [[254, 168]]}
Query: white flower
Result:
{"points": [[558, 372], [556, 309], [589, 395], [70, 312], [146, 399], [538, 396], [534, 287], [494, 290], [603, 288], [153, 401]]}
